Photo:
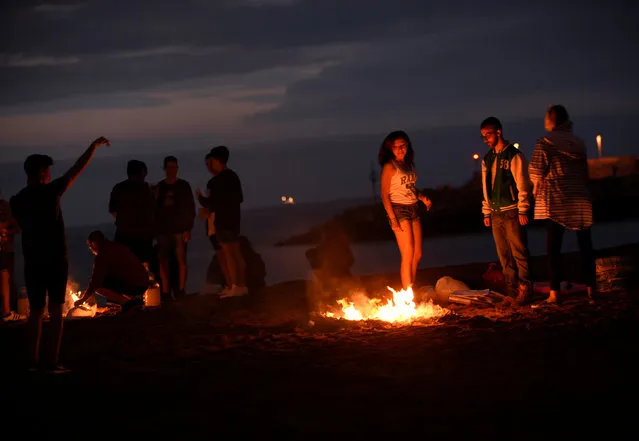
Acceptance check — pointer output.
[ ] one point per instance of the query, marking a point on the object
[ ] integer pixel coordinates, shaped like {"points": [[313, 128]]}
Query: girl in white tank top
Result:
{"points": [[402, 187], [400, 197]]}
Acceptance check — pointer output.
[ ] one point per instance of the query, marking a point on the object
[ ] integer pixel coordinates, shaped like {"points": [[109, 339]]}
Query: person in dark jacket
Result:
{"points": [[174, 218], [133, 205], [223, 202]]}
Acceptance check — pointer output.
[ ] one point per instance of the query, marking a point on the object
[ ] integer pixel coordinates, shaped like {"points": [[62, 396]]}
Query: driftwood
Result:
{"points": [[480, 298]]}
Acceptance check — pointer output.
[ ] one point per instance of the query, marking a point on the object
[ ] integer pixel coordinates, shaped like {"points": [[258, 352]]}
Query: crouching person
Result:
{"points": [[118, 275]]}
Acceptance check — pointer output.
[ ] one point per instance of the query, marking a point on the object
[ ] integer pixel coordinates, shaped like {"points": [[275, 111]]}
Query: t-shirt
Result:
{"points": [[117, 261], [225, 197], [134, 205], [37, 210], [175, 208]]}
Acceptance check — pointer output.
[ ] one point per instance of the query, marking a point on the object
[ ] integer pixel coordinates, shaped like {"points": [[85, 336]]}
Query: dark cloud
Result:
{"points": [[396, 63], [509, 67], [119, 45]]}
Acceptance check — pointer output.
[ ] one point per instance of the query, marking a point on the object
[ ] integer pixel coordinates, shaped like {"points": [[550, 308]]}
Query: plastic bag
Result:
{"points": [[447, 285]]}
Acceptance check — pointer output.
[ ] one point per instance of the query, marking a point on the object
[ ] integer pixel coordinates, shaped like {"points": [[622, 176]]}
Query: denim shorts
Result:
{"points": [[406, 212]]}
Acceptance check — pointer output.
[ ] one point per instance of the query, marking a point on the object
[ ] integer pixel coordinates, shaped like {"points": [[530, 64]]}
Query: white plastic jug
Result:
{"points": [[153, 296]]}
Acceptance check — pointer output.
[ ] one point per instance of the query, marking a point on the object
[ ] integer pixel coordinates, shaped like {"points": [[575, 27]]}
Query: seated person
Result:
{"points": [[117, 275]]}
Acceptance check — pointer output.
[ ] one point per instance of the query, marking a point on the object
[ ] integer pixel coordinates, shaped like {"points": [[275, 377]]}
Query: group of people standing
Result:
{"points": [[555, 181], [144, 214]]}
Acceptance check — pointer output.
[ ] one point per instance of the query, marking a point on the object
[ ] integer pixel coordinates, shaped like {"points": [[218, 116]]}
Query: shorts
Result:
{"points": [[118, 286], [171, 243], [215, 242], [6, 260], [405, 212], [46, 278], [227, 235], [142, 248]]}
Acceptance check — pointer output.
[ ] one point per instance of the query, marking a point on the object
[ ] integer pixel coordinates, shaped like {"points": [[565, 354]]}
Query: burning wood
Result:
{"points": [[401, 308]]}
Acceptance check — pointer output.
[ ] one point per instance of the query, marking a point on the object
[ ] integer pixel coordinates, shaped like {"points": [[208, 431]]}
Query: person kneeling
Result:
{"points": [[118, 275]]}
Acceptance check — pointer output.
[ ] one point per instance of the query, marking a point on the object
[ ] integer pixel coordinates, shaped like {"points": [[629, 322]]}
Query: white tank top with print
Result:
{"points": [[402, 188]]}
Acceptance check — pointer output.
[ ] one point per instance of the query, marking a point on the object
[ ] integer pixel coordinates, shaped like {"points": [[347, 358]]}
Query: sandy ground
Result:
{"points": [[252, 368]]}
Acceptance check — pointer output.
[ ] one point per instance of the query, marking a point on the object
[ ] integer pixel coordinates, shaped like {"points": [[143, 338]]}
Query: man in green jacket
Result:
{"points": [[506, 189]]}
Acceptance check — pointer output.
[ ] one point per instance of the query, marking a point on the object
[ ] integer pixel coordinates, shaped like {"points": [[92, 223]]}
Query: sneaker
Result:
{"points": [[13, 317], [235, 291], [57, 370]]}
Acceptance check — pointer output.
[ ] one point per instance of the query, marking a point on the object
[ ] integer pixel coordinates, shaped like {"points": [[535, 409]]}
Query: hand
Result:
{"points": [[487, 221], [186, 236], [198, 193], [427, 202], [523, 219], [395, 225], [101, 141]]}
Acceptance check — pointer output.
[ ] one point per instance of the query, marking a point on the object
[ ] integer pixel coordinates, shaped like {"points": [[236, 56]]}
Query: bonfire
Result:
{"points": [[73, 295], [400, 308]]}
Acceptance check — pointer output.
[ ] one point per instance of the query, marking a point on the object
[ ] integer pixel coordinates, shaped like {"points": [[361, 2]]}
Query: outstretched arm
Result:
{"points": [[72, 174]]}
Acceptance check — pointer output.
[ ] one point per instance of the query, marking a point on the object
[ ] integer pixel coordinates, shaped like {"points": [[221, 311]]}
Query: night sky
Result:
{"points": [[258, 74]]}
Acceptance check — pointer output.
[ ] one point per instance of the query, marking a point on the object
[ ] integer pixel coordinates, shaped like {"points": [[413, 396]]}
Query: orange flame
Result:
{"points": [[400, 309]]}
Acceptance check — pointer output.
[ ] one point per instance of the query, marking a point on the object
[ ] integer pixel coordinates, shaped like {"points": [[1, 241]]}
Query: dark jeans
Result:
{"points": [[554, 238], [511, 241]]}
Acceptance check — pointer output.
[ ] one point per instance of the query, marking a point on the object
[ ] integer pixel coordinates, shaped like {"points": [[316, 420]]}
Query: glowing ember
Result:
{"points": [[400, 309]]}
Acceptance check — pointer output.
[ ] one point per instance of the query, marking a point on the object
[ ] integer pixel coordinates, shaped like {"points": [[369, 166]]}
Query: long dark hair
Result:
{"points": [[558, 115], [386, 150]]}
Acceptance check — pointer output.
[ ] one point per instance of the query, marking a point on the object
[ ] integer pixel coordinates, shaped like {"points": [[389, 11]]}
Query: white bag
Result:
{"points": [[447, 285]]}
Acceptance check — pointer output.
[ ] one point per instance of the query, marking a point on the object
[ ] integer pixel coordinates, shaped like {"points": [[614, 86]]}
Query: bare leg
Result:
{"points": [[35, 333], [55, 312], [417, 250], [5, 292], [231, 264], [407, 251], [180, 255], [226, 271], [240, 265], [164, 275]]}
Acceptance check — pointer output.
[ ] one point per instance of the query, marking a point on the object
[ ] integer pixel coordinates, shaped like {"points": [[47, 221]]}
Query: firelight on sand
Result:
{"points": [[401, 308]]}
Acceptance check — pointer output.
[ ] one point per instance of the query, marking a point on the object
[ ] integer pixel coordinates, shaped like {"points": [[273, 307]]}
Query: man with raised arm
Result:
{"points": [[44, 246]]}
